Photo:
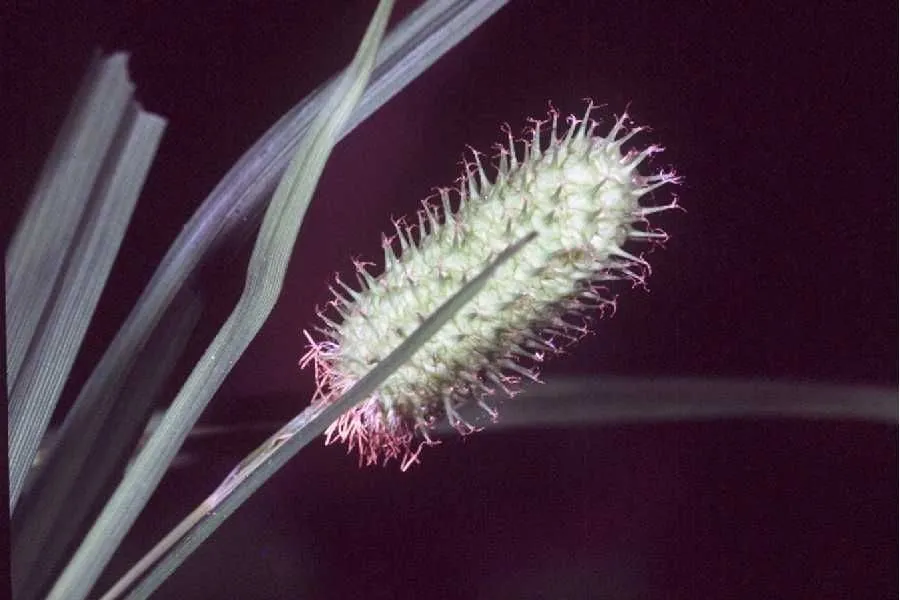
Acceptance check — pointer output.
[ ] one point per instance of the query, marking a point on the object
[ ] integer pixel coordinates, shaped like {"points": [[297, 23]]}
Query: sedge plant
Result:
{"points": [[487, 281]]}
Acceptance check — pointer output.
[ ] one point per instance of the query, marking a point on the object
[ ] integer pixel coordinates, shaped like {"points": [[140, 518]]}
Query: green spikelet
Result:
{"points": [[580, 193]]}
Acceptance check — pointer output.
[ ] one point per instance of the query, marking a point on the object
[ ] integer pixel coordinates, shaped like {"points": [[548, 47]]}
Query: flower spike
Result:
{"points": [[581, 192]]}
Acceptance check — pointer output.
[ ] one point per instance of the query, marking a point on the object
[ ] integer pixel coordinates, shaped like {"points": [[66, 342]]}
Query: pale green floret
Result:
{"points": [[580, 194]]}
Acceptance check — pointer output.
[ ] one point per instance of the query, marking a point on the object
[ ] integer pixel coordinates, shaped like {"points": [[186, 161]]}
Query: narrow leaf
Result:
{"points": [[65, 247]]}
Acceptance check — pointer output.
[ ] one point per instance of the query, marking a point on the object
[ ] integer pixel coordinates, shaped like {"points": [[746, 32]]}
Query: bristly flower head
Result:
{"points": [[580, 193]]}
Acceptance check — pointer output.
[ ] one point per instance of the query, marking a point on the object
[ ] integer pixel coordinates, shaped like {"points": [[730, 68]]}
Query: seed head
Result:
{"points": [[580, 193]]}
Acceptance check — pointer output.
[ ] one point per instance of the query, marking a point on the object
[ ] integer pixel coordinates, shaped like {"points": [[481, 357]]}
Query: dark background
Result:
{"points": [[782, 121]]}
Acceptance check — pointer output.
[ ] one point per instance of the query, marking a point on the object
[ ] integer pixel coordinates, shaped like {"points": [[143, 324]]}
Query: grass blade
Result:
{"points": [[52, 521], [71, 239], [38, 248], [265, 276], [592, 401]]}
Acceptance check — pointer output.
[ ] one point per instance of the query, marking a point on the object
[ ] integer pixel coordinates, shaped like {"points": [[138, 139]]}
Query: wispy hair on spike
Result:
{"points": [[580, 192]]}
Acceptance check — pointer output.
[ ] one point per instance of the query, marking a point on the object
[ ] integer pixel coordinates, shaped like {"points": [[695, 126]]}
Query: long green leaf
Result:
{"points": [[593, 401], [64, 249], [37, 251], [42, 540]]}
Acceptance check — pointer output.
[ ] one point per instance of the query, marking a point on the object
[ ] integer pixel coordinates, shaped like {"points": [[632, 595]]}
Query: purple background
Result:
{"points": [[782, 121]]}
